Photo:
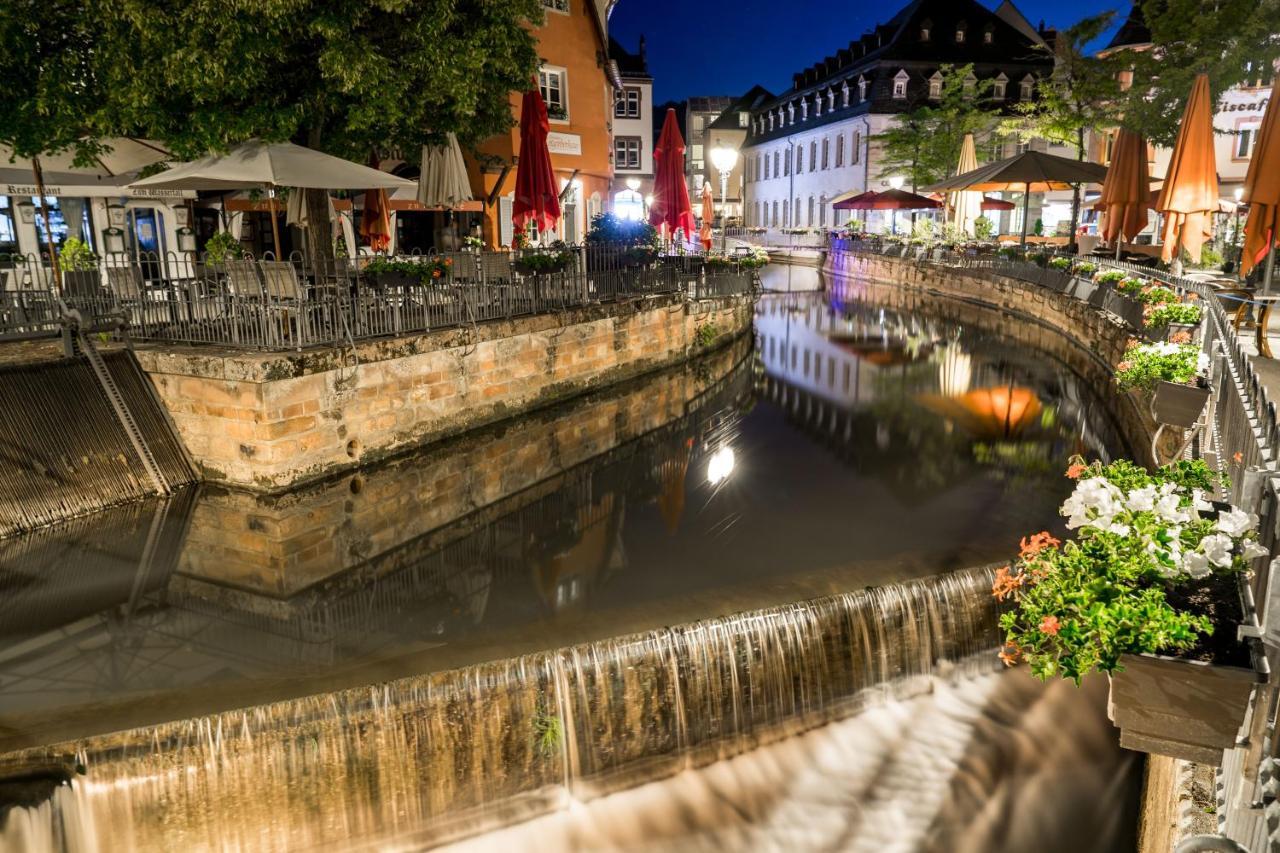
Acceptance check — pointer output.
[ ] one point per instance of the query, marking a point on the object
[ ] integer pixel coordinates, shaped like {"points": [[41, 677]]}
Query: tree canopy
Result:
{"points": [[923, 145], [1233, 41], [346, 76]]}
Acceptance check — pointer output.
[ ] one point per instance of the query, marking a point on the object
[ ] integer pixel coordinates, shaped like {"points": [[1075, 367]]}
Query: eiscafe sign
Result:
{"points": [[96, 191], [1258, 106]]}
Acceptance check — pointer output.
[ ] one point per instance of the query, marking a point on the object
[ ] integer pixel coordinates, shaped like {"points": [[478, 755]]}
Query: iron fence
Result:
{"points": [[269, 304], [780, 238]]}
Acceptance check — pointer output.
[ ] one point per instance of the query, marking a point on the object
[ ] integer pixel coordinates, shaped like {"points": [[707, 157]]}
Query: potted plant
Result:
{"points": [[79, 269], [1173, 375], [222, 247], [1149, 590], [387, 273], [471, 243], [1109, 278], [1173, 317]]}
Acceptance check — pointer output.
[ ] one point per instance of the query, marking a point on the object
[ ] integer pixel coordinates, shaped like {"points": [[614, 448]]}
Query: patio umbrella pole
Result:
{"points": [[1268, 272], [38, 174], [1026, 211], [275, 226]]}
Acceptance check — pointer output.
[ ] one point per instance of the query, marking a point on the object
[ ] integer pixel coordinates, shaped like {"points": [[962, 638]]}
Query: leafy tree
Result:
{"points": [[1230, 40], [924, 143], [349, 77], [50, 96], [1081, 94]]}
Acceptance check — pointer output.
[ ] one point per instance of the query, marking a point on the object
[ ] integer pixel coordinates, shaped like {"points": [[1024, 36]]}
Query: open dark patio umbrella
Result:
{"points": [[989, 203], [1028, 172], [537, 199], [894, 200], [671, 207]]}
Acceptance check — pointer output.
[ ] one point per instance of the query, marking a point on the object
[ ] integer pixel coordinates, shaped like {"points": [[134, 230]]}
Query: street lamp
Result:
{"points": [[724, 159], [633, 184]]}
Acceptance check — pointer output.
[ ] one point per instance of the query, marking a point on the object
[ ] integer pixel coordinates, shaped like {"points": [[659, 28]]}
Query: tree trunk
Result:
{"points": [[1072, 245], [319, 227]]}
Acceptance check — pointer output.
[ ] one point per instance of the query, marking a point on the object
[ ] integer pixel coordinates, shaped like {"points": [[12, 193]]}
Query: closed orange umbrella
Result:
{"points": [[1190, 195], [708, 216], [1262, 188], [375, 221], [1126, 192]]}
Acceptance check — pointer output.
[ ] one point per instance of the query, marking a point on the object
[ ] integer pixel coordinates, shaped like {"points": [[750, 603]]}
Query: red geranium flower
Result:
{"points": [[1050, 625]]}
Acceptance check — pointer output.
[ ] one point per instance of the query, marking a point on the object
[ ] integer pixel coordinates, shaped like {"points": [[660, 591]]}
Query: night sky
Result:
{"points": [[726, 46]]}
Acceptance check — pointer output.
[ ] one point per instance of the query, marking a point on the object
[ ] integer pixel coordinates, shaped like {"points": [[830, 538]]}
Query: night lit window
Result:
{"points": [[999, 87], [626, 152], [627, 104], [900, 85]]}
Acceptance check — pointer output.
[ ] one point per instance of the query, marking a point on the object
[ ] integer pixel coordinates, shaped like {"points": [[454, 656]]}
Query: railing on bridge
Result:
{"points": [[780, 238], [1241, 439], [268, 304]]}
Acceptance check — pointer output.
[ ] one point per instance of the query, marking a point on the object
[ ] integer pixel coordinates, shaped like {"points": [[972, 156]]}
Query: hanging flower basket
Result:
{"points": [[1178, 405]]}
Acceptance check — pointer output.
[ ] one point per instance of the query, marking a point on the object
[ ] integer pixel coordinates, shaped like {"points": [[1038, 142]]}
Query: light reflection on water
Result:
{"points": [[863, 442]]}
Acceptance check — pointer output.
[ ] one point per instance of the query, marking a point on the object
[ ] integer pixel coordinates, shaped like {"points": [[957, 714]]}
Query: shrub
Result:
{"points": [[1111, 277], [222, 247], [1038, 230], [610, 228], [1080, 605], [983, 228], [1145, 366], [1060, 264], [76, 256]]}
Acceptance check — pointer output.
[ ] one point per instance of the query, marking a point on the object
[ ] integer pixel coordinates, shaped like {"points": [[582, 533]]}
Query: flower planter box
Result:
{"points": [[1178, 405], [1083, 288], [393, 280], [1182, 708], [1128, 310]]}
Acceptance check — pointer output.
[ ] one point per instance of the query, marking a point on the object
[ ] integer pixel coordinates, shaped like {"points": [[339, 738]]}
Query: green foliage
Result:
{"points": [[705, 335], [1060, 264], [546, 261], [1179, 313], [548, 733], [983, 228], [609, 228], [1080, 606], [922, 231], [75, 255], [923, 145], [222, 247], [1110, 277], [1148, 365], [1155, 295], [1210, 259], [425, 271], [1230, 40], [1038, 228], [1084, 269]]}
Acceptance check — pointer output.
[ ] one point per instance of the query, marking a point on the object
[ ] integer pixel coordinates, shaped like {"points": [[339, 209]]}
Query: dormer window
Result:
{"points": [[817, 104], [935, 86], [924, 34], [844, 94], [1026, 87], [999, 87], [862, 89], [831, 99], [960, 32], [900, 85], [988, 36], [970, 84], [804, 110]]}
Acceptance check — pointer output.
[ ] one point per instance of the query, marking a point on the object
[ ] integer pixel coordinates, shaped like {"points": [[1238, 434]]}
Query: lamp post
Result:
{"points": [[724, 159]]}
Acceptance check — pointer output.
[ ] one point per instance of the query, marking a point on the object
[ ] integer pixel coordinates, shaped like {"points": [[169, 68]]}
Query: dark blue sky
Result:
{"points": [[725, 46]]}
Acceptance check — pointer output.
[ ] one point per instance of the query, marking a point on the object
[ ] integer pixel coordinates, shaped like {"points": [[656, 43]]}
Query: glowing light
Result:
{"points": [[720, 465], [633, 184], [896, 182]]}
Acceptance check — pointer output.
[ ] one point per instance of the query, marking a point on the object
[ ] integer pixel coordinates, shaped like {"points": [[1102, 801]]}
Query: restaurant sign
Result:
{"points": [[97, 191], [564, 143]]}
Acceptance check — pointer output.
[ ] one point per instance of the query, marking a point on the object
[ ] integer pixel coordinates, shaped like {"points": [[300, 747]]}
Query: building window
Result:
{"points": [[696, 151], [786, 214], [554, 83], [813, 156], [777, 165], [799, 159], [822, 220], [8, 230], [626, 152], [796, 212], [988, 37], [775, 215], [960, 33], [744, 119], [924, 34], [856, 154], [69, 218], [804, 110], [557, 5], [935, 85], [627, 104], [1026, 87], [813, 218], [999, 87], [826, 153], [900, 85], [762, 167], [839, 151], [786, 166], [970, 84], [1247, 137], [770, 121], [698, 124]]}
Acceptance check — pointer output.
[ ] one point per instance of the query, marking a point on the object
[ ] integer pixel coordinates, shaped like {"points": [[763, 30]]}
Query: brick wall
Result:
{"points": [[268, 422]]}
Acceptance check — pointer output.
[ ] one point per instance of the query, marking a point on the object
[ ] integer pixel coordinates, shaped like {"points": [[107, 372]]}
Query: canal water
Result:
{"points": [[740, 604]]}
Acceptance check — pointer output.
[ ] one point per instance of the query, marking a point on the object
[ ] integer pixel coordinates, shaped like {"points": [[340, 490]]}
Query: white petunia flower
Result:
{"points": [[1095, 502], [1217, 548], [1252, 550], [1169, 508], [1236, 522], [1142, 500], [1195, 564], [1198, 501]]}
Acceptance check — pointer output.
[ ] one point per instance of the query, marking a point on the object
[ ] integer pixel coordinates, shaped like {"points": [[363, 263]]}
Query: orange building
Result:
{"points": [[578, 83]]}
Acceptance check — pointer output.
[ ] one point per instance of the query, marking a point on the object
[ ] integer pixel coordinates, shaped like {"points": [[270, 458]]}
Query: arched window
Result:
{"points": [[813, 156], [826, 152], [961, 32], [812, 211], [855, 156]]}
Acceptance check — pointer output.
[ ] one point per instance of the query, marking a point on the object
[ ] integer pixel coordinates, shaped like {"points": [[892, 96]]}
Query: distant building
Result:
{"points": [[729, 130], [699, 112], [815, 143], [632, 131]]}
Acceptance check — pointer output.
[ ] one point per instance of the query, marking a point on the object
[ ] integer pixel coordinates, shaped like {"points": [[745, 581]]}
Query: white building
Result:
{"points": [[632, 131]]}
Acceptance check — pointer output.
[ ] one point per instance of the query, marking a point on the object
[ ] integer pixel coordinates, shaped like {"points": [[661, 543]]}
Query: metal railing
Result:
{"points": [[268, 304], [780, 238]]}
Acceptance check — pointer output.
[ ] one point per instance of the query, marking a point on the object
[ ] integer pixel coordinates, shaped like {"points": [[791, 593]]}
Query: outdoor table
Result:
{"points": [[1266, 304]]}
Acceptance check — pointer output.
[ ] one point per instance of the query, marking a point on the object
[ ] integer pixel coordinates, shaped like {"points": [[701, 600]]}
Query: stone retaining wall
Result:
{"points": [[271, 421], [1089, 341]]}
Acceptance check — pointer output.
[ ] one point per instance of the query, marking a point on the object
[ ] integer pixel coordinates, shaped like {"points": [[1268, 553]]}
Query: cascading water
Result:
{"points": [[422, 760]]}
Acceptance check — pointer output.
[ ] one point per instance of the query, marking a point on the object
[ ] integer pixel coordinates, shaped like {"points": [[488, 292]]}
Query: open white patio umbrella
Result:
{"points": [[260, 165], [119, 157], [443, 180]]}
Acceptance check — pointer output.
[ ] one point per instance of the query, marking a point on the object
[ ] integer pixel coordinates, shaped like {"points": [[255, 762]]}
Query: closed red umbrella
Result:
{"points": [[537, 199], [375, 219], [989, 203], [670, 206]]}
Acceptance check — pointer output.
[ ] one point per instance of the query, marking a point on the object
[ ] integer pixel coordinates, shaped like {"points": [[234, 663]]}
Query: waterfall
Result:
{"points": [[426, 759]]}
